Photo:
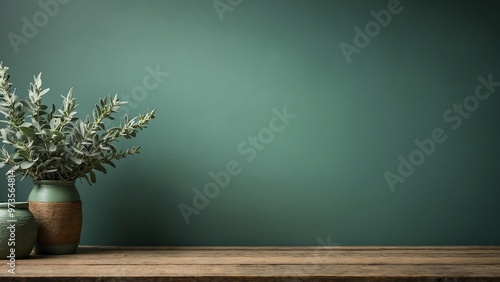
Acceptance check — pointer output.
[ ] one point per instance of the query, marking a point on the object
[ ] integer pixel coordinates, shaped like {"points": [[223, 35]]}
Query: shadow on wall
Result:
{"points": [[143, 217]]}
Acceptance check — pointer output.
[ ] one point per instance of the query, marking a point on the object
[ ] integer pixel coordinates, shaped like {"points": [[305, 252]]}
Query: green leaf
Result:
{"points": [[100, 168], [92, 176], [47, 132], [28, 132], [17, 146], [57, 134], [75, 160], [110, 163], [3, 132], [95, 154], [82, 128], [26, 165], [78, 151], [24, 153], [45, 163]]}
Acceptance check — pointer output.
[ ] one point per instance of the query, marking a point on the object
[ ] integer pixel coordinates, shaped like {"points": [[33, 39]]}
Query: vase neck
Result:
{"points": [[54, 191]]}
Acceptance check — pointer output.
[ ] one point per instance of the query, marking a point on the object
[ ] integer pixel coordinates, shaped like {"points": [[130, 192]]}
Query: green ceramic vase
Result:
{"points": [[18, 230], [57, 208]]}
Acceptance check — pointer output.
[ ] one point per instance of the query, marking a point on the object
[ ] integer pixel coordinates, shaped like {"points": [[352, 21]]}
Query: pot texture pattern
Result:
{"points": [[58, 209]]}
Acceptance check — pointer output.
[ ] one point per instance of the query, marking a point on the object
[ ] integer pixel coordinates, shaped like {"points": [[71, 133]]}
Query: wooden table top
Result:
{"points": [[263, 264]]}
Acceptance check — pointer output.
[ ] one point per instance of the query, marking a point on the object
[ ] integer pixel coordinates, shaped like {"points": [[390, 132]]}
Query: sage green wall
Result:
{"points": [[320, 180]]}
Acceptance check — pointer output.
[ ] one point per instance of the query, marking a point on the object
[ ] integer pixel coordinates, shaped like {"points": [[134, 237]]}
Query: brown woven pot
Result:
{"points": [[57, 208]]}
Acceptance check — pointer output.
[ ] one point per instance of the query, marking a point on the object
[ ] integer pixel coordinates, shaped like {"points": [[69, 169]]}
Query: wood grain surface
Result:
{"points": [[94, 263]]}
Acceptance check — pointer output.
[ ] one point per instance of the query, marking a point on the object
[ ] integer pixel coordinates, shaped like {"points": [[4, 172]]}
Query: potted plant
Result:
{"points": [[54, 147]]}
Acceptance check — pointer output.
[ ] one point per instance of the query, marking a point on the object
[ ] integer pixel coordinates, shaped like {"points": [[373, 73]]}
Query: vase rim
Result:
{"points": [[16, 205]]}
